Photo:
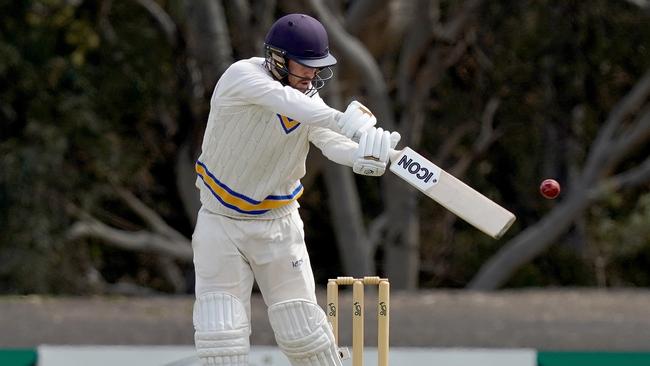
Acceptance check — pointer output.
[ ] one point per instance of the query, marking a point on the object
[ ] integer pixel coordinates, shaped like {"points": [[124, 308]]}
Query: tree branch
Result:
{"points": [[153, 220], [161, 17], [208, 38], [451, 31], [599, 153], [483, 142], [138, 241], [359, 11], [172, 273], [375, 230], [413, 49], [452, 140], [631, 138], [358, 55], [104, 23], [643, 4], [629, 179], [532, 241]]}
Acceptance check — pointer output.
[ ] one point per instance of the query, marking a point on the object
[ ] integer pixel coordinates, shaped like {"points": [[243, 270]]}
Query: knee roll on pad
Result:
{"points": [[221, 329], [303, 334]]}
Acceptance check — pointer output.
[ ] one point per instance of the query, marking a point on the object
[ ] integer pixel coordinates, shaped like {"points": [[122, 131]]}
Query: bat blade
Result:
{"points": [[451, 193]]}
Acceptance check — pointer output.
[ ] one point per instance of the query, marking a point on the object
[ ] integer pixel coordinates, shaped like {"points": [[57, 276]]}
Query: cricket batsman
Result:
{"points": [[264, 112]]}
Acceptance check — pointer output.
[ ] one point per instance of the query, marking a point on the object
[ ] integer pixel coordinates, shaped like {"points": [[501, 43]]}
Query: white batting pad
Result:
{"points": [[221, 330], [303, 334]]}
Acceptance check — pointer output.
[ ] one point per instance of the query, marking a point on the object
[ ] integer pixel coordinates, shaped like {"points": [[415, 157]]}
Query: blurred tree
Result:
{"points": [[583, 77], [81, 102], [103, 107]]}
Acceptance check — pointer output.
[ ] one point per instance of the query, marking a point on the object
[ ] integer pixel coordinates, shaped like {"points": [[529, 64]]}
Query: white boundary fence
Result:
{"points": [[271, 356]]}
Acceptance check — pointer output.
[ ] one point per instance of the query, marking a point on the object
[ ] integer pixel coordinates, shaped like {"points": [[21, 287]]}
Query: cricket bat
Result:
{"points": [[450, 192]]}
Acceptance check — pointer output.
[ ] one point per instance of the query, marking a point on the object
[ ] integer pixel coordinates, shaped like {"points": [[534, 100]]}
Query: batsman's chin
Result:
{"points": [[303, 85]]}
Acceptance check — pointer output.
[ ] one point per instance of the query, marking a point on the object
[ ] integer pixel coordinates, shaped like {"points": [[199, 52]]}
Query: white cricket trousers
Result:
{"points": [[229, 254]]}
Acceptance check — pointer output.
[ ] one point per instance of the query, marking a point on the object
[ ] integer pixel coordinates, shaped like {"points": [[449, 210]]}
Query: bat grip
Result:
{"points": [[393, 154]]}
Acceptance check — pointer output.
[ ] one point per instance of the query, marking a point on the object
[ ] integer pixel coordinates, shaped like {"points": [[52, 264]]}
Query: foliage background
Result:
{"points": [[92, 101]]}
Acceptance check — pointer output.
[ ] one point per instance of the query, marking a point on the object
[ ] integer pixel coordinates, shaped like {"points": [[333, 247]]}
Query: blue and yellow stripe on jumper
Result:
{"points": [[287, 123], [239, 202]]}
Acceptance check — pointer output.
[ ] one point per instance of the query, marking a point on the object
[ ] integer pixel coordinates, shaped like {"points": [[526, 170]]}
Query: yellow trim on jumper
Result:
{"points": [[239, 203]]}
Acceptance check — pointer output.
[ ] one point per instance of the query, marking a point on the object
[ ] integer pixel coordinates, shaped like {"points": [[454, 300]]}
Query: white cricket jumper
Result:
{"points": [[256, 143]]}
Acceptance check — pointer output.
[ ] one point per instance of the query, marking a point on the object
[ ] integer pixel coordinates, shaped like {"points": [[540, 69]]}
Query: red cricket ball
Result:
{"points": [[549, 188]]}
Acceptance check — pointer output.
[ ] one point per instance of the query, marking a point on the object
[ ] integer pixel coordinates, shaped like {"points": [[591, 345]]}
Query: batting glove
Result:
{"points": [[372, 154], [356, 119]]}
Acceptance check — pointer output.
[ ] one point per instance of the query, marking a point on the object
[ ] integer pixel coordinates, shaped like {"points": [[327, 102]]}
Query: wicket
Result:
{"points": [[383, 314]]}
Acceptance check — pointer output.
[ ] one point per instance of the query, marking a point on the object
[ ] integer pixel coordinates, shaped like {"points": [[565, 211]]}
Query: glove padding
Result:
{"points": [[356, 119], [372, 154]]}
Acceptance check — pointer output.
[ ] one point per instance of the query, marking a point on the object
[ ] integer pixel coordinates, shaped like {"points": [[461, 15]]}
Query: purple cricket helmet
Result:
{"points": [[302, 39]]}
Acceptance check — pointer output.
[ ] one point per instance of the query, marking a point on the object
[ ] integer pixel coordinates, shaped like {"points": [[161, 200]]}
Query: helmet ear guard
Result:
{"points": [[276, 62]]}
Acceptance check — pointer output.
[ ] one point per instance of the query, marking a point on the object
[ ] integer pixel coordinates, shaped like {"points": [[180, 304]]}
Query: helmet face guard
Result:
{"points": [[303, 39], [277, 63]]}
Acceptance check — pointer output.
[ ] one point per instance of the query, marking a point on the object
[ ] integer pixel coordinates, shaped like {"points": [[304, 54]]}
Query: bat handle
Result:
{"points": [[393, 154]]}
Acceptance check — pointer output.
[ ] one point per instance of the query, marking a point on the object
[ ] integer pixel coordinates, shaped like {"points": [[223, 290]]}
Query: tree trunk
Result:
{"points": [[345, 209], [402, 241], [208, 39], [529, 244], [185, 179]]}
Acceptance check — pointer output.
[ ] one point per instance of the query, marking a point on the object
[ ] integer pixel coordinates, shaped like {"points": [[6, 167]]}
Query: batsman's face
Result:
{"points": [[300, 77]]}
